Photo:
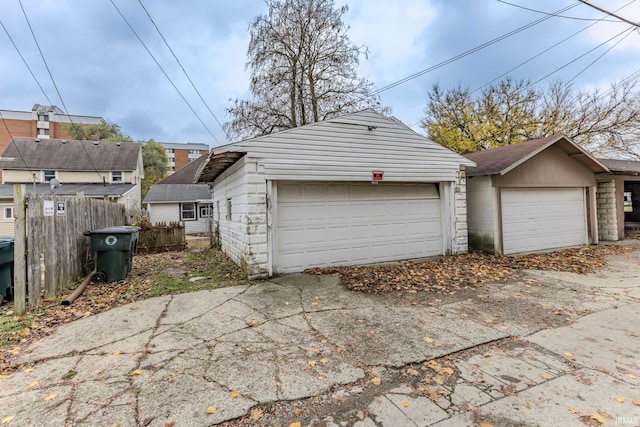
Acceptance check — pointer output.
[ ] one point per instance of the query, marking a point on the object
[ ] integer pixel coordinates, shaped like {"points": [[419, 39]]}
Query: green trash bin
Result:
{"points": [[6, 268], [115, 247]]}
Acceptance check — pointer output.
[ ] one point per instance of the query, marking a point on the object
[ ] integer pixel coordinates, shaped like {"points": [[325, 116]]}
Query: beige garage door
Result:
{"points": [[540, 219]]}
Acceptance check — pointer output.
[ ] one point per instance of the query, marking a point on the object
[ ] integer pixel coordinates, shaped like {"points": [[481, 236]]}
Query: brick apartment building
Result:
{"points": [[43, 121], [180, 155]]}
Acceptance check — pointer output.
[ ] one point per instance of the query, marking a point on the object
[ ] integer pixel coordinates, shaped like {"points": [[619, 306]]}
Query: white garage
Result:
{"points": [[357, 189], [534, 219], [338, 223], [536, 195]]}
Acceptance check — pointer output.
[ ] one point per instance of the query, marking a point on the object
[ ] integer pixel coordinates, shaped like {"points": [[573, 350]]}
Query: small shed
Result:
{"points": [[618, 198], [536, 195], [178, 199], [358, 189]]}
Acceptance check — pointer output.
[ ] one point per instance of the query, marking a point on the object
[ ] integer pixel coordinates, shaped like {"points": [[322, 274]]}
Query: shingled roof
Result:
{"points": [[622, 166], [71, 155], [176, 193], [503, 159], [186, 175]]}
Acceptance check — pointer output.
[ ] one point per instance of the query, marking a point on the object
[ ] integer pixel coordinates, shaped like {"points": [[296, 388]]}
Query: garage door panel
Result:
{"points": [[543, 219], [323, 224]]}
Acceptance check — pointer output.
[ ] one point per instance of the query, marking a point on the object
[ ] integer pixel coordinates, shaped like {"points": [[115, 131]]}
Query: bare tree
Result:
{"points": [[511, 112], [303, 69]]}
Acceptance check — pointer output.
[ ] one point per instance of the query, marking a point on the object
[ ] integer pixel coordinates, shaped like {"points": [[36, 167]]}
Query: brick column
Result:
{"points": [[606, 206], [460, 201]]}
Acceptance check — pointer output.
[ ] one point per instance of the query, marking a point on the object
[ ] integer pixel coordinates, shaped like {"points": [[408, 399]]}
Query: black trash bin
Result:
{"points": [[6, 268], [115, 247]]}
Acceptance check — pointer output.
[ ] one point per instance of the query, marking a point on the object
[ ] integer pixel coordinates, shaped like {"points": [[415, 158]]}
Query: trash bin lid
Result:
{"points": [[122, 229], [6, 241]]}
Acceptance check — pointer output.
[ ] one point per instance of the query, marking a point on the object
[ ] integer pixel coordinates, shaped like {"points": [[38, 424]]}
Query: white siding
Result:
{"points": [[482, 218], [244, 235], [344, 149], [164, 212]]}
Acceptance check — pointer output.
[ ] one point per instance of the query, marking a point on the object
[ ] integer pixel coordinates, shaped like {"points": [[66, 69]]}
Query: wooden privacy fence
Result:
{"points": [[51, 251], [161, 237]]}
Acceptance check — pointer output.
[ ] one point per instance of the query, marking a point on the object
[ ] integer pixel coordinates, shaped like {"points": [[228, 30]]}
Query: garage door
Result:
{"points": [[543, 219], [323, 224]]}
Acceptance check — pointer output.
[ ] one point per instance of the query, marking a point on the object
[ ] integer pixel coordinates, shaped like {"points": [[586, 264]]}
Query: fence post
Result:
{"points": [[20, 250]]}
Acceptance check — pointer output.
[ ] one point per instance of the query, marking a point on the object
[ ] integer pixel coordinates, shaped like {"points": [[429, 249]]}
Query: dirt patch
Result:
{"points": [[449, 275], [199, 267]]}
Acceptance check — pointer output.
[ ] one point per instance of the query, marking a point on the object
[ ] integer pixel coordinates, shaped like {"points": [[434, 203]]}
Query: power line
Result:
{"points": [[66, 110], [550, 14], [183, 70], [164, 72], [635, 24], [547, 49], [473, 50], [25, 62]]}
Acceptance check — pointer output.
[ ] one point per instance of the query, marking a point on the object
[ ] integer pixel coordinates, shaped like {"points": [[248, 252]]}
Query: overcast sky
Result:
{"points": [[101, 69]]}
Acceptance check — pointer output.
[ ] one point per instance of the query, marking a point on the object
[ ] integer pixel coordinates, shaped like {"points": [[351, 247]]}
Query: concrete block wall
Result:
{"points": [[461, 238], [606, 208]]}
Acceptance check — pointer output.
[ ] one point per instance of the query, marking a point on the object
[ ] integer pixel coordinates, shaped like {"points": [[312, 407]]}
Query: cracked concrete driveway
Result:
{"points": [[549, 348]]}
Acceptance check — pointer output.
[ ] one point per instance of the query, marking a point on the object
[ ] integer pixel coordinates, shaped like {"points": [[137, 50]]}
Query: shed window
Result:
{"points": [[49, 175], [228, 217], [188, 211], [206, 210], [117, 177], [8, 213]]}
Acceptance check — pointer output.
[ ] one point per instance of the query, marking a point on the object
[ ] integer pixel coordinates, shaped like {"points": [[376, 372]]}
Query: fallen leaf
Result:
{"points": [[33, 384], [314, 303], [295, 424], [278, 384], [484, 424], [546, 376], [312, 363], [376, 381], [234, 394], [324, 361], [28, 370], [566, 353], [136, 372], [619, 400], [574, 411], [320, 377], [636, 402], [428, 340], [360, 415], [51, 397], [169, 423], [527, 405], [117, 353], [633, 377], [405, 404], [211, 410], [413, 372], [7, 420], [256, 414], [599, 418]]}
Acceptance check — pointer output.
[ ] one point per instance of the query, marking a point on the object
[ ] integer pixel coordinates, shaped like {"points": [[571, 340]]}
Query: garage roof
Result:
{"points": [[177, 193], [622, 166], [504, 159]]}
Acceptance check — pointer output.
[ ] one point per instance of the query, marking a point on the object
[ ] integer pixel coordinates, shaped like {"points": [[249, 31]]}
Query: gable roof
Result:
{"points": [[616, 166], [70, 155], [176, 193], [349, 145], [186, 175], [502, 160]]}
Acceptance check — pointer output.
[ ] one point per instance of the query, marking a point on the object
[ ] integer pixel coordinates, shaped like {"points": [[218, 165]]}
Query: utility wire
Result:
{"points": [[473, 50], [182, 67], [66, 110], [547, 49], [559, 16], [164, 72], [635, 24], [25, 62]]}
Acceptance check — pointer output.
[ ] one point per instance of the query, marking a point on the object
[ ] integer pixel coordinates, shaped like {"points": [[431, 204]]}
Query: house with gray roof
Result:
{"points": [[178, 198], [111, 170], [619, 204]]}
